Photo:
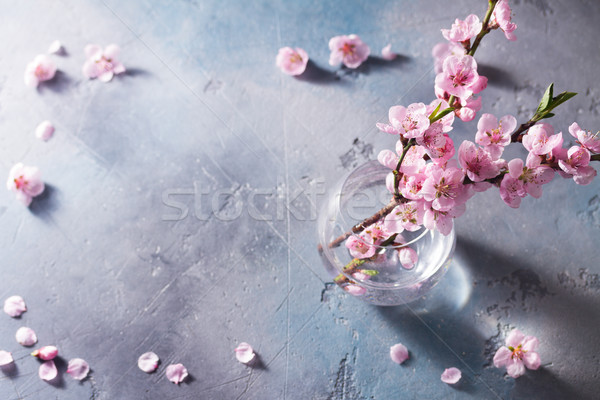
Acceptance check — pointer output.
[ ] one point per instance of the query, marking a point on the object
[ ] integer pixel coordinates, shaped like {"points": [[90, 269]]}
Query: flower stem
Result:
{"points": [[397, 174], [517, 135], [595, 157], [484, 27]]}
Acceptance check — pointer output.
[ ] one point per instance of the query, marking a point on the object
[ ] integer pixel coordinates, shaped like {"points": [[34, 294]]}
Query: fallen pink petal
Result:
{"points": [[55, 47], [78, 368], [399, 353], [291, 61], [102, 64], [26, 182], [44, 130], [46, 353], [387, 53], [244, 353], [176, 373], [451, 375], [26, 336], [41, 69], [5, 358], [14, 305], [148, 362], [48, 371]]}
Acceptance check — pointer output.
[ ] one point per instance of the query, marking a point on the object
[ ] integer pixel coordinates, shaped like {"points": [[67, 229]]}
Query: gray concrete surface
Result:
{"points": [[204, 120]]}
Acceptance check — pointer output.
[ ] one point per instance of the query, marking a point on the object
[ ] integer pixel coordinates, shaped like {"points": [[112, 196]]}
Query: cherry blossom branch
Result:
{"points": [[485, 29], [595, 157], [351, 267], [397, 174]]}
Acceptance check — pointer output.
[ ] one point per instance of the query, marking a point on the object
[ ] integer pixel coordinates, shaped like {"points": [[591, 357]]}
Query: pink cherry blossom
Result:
{"points": [[540, 139], [410, 122], [176, 373], [5, 358], [78, 368], [410, 185], [399, 353], [451, 375], [355, 290], [378, 232], [407, 216], [477, 162], [577, 165], [102, 64], [522, 180], [349, 50], [26, 336], [388, 158], [443, 50], [360, 246], [41, 69], [447, 120], [433, 138], [459, 76], [463, 30], [387, 53], [408, 257], [441, 155], [26, 182], [519, 352], [244, 353], [467, 108], [501, 17], [442, 221], [46, 353], [587, 139], [494, 135], [414, 161], [14, 306], [292, 61], [44, 130], [148, 362], [48, 371], [444, 187]]}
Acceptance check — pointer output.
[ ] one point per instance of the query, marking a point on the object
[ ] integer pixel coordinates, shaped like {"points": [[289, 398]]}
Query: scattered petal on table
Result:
{"points": [[451, 375], [387, 53], [176, 373], [48, 371], [5, 358], [148, 362], [44, 130], [244, 353], [14, 306], [46, 353], [26, 336], [78, 368], [56, 47], [399, 353]]}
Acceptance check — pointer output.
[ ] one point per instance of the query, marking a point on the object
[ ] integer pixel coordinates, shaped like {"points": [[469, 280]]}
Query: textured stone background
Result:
{"points": [[110, 270]]}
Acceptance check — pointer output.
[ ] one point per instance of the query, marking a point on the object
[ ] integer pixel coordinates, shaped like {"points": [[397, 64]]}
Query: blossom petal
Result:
{"points": [[387, 53], [532, 360], [48, 371], [451, 375], [530, 343], [244, 353], [92, 51], [46, 353], [399, 353], [14, 305], [502, 357], [78, 368], [515, 368], [44, 130], [515, 338], [5, 358], [148, 362], [55, 47], [176, 373], [26, 336], [106, 76]]}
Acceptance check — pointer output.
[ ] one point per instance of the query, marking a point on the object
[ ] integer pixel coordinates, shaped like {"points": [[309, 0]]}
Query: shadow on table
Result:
{"points": [[60, 83], [497, 77], [45, 202], [316, 74], [10, 370]]}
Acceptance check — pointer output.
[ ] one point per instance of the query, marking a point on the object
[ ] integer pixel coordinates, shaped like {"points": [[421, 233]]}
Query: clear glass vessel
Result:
{"points": [[384, 279]]}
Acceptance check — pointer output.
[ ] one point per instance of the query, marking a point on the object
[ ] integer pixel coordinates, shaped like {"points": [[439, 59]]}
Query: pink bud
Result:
{"points": [[46, 353]]}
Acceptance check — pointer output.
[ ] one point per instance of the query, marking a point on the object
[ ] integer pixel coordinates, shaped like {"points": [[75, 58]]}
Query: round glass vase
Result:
{"points": [[382, 279]]}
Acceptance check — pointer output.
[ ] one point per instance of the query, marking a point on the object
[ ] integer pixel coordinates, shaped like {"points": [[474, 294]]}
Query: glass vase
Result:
{"points": [[386, 278]]}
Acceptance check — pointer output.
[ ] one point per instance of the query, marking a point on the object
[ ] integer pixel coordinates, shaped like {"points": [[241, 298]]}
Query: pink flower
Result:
{"points": [[78, 368], [44, 130], [522, 180], [148, 362], [360, 246], [399, 353], [463, 30], [442, 221], [408, 257], [46, 353], [433, 138], [410, 122], [292, 61], [102, 64], [495, 136], [451, 375], [388, 158], [587, 139], [387, 53], [5, 358], [477, 162], [176, 373], [349, 50], [14, 306], [468, 108], [354, 290], [26, 182], [41, 69], [459, 76], [48, 371], [519, 352], [540, 139], [407, 216], [501, 17], [447, 120], [26, 336], [443, 50], [444, 187], [244, 353], [576, 164], [443, 154]]}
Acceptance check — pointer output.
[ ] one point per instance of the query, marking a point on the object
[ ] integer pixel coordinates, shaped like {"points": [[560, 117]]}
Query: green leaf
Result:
{"points": [[370, 272], [433, 114], [548, 115], [546, 99], [561, 98]]}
